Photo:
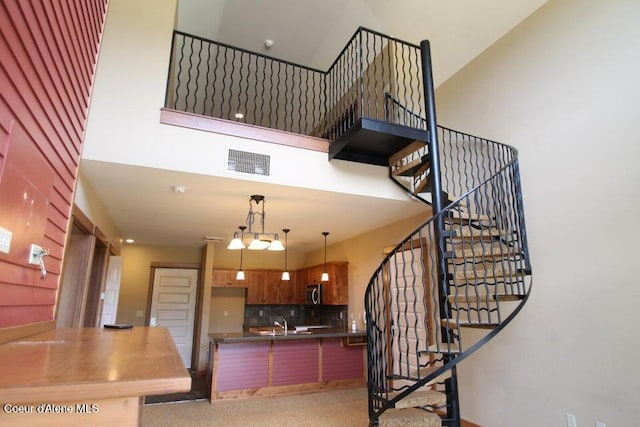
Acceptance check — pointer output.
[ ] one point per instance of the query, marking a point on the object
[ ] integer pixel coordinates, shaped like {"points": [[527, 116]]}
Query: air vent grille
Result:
{"points": [[246, 162]]}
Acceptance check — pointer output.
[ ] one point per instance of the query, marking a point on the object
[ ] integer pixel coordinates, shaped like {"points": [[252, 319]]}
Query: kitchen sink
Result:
{"points": [[277, 332], [307, 327], [281, 333]]}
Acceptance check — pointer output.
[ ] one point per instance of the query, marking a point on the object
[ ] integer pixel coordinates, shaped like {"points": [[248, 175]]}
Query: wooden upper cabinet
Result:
{"points": [[278, 291], [267, 286], [271, 287], [336, 290], [226, 277], [254, 281]]}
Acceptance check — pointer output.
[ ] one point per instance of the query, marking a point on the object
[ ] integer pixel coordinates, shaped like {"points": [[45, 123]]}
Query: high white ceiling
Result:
{"points": [[308, 32], [312, 32]]}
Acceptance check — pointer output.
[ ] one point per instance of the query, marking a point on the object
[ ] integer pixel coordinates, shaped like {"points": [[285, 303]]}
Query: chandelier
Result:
{"points": [[260, 239]]}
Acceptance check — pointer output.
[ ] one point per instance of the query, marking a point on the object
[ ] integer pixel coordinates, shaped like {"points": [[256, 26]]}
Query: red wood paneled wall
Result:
{"points": [[48, 53]]}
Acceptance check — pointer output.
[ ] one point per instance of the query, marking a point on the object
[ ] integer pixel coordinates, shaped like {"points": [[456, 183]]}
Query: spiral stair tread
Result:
{"points": [[409, 417]]}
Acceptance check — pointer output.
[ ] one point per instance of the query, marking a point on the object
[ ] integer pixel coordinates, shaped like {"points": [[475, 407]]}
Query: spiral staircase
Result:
{"points": [[466, 267], [452, 284], [459, 278]]}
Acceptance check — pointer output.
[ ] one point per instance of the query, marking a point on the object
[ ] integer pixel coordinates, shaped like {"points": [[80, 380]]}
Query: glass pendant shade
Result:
{"points": [[240, 273], [325, 275], [285, 273], [276, 245], [236, 242], [257, 244]]}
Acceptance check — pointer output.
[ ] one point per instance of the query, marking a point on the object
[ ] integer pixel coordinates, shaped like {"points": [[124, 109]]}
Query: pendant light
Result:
{"points": [[240, 273], [285, 273], [236, 242], [325, 275], [261, 239]]}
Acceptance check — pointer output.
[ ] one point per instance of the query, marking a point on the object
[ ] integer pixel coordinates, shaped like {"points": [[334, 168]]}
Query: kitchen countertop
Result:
{"points": [[240, 337], [70, 364]]}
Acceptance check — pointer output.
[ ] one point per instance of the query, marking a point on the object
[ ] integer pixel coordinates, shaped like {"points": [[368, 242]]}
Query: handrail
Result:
{"points": [[223, 81], [477, 291]]}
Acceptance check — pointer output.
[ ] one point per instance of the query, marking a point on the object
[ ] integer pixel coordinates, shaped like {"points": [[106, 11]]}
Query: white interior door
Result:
{"points": [[111, 291], [173, 305]]}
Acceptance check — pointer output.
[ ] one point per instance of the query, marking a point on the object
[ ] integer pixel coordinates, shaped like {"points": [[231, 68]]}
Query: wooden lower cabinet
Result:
{"points": [[274, 367]]}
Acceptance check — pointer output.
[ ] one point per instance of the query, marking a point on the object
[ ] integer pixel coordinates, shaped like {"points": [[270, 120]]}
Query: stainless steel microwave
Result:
{"points": [[314, 294]]}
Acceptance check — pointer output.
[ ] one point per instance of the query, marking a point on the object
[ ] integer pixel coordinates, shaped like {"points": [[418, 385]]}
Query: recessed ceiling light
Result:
{"points": [[179, 188], [129, 240], [268, 43]]}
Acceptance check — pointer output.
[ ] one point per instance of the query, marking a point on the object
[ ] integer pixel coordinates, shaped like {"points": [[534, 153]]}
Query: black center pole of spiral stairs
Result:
{"points": [[451, 385]]}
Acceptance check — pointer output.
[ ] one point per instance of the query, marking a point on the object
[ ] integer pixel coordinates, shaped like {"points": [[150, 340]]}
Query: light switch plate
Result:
{"points": [[5, 240]]}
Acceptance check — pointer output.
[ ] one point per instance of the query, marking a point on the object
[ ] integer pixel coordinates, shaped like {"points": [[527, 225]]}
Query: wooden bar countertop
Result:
{"points": [[72, 364]]}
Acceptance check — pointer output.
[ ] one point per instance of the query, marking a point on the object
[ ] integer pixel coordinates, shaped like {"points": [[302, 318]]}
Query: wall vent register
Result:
{"points": [[247, 162]]}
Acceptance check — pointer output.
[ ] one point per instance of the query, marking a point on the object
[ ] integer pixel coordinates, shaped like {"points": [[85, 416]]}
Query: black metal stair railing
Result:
{"points": [[215, 79], [219, 80], [414, 325]]}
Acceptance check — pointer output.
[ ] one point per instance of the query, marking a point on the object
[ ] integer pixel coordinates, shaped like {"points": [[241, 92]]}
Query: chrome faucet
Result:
{"points": [[284, 327]]}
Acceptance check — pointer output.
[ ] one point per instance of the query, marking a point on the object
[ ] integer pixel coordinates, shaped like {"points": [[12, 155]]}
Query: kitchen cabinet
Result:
{"points": [[225, 278], [282, 365], [336, 290], [267, 287], [254, 281]]}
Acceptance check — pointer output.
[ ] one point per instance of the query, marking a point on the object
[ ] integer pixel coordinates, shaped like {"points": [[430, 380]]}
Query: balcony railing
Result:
{"points": [[218, 80]]}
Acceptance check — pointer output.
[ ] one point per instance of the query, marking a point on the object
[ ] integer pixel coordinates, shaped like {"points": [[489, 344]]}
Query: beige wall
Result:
{"points": [[124, 118], [136, 272], [563, 88], [90, 205]]}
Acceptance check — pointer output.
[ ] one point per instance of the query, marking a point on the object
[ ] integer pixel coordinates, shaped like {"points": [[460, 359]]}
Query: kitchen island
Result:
{"points": [[266, 363]]}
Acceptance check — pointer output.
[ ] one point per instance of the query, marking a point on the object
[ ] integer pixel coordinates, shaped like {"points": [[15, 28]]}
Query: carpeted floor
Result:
{"points": [[198, 392], [339, 408]]}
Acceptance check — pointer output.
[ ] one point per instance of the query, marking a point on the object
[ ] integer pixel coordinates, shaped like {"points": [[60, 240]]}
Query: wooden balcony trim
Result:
{"points": [[242, 130]]}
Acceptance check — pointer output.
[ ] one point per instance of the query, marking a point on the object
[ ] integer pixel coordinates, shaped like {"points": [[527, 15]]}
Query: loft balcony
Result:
{"points": [[369, 103]]}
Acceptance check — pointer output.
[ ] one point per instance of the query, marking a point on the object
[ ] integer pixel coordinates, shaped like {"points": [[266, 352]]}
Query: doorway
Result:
{"points": [[84, 268], [173, 305]]}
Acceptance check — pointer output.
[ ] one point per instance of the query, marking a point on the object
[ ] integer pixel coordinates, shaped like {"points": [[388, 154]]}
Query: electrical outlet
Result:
{"points": [[293, 313], [600, 424], [341, 315], [260, 313], [139, 313], [5, 240], [225, 313], [571, 420]]}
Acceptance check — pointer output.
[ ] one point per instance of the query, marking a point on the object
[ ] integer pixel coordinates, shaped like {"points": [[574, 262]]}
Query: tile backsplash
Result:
{"points": [[266, 315]]}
